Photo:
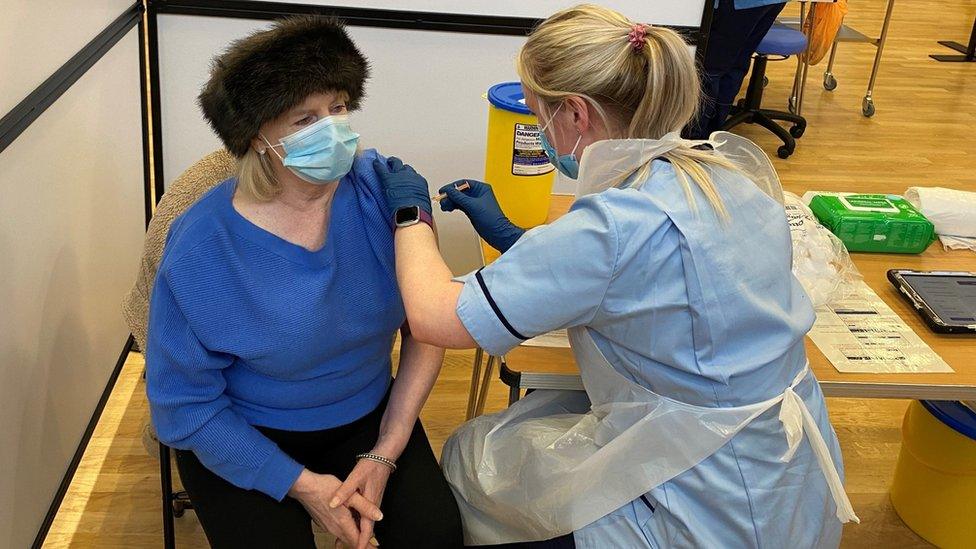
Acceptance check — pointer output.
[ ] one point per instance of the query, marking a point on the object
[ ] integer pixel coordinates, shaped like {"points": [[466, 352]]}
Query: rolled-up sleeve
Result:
{"points": [[556, 276]]}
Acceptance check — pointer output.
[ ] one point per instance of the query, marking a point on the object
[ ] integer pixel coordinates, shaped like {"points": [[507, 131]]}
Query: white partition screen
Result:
{"points": [[424, 101], [71, 227]]}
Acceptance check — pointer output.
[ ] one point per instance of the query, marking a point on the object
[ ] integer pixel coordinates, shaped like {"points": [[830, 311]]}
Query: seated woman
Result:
{"points": [[274, 313]]}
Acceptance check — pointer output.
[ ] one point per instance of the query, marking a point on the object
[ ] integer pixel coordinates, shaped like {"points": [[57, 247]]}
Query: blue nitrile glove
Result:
{"points": [[479, 204], [403, 187]]}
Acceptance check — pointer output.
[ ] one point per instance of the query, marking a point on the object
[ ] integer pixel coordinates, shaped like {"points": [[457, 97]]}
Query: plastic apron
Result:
{"points": [[558, 460]]}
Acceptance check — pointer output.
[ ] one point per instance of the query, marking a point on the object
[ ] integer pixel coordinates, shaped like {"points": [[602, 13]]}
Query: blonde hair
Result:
{"points": [[256, 176], [597, 54]]}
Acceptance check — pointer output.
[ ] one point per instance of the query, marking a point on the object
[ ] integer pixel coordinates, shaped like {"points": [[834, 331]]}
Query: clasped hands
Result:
{"points": [[348, 510]]}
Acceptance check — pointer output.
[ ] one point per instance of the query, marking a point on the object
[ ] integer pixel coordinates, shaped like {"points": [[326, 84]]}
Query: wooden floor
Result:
{"points": [[114, 500], [921, 134]]}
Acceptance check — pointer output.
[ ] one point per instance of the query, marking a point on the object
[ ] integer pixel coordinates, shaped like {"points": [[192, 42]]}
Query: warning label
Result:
{"points": [[528, 157]]}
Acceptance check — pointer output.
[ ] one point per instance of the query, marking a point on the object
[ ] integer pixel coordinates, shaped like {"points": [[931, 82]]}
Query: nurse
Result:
{"points": [[702, 424]]}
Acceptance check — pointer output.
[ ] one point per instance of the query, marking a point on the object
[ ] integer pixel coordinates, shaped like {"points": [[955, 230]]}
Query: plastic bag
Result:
{"points": [[556, 461], [821, 28], [820, 259], [752, 160]]}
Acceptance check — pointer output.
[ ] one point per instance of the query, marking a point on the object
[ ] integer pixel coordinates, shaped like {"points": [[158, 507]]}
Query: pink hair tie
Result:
{"points": [[636, 37]]}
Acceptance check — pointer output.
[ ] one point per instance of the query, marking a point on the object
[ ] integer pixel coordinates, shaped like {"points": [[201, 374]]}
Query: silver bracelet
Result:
{"points": [[378, 459]]}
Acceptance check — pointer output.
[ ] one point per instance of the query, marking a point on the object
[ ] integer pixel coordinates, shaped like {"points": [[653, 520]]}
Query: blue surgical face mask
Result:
{"points": [[321, 152], [567, 164]]}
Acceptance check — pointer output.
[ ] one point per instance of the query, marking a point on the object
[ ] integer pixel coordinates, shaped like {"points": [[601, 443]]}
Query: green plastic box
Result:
{"points": [[872, 222]]}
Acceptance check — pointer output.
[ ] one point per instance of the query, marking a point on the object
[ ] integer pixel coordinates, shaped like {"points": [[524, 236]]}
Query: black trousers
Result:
{"points": [[732, 39], [418, 507]]}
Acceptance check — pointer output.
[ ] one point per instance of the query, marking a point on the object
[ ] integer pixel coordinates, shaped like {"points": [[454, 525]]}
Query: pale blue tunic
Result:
{"points": [[697, 310]]}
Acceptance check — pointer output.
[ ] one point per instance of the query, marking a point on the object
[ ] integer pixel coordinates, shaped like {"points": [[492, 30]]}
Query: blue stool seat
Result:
{"points": [[782, 40]]}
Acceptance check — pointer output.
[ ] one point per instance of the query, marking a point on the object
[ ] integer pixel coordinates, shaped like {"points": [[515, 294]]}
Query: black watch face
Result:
{"points": [[407, 215]]}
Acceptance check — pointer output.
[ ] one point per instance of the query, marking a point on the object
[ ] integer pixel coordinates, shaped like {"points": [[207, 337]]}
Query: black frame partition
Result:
{"points": [[143, 13]]}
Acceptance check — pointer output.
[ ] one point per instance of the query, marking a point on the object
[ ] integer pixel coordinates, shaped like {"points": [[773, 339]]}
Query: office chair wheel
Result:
{"points": [[797, 130], [867, 107], [829, 83], [784, 152]]}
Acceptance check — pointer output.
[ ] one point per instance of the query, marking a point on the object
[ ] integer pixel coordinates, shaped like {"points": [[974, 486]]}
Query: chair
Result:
{"points": [[780, 41], [174, 503], [516, 380], [181, 194], [478, 393], [560, 374]]}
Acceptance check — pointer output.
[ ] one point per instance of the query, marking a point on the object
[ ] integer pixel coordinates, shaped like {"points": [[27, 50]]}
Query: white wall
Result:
{"points": [[71, 228], [38, 36], [424, 100]]}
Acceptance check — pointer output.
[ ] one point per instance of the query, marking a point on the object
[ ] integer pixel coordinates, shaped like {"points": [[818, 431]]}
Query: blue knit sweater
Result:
{"points": [[247, 329]]}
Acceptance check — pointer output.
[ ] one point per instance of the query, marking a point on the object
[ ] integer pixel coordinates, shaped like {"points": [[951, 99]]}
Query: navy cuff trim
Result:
{"points": [[494, 306]]}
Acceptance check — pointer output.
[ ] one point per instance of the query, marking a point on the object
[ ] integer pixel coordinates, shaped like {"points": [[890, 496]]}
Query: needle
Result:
{"points": [[461, 187]]}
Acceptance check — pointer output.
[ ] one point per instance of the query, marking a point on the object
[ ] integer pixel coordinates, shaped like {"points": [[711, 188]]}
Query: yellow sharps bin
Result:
{"points": [[516, 166], [934, 489]]}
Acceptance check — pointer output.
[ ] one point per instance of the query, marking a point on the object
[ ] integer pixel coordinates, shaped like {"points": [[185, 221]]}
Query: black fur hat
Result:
{"points": [[263, 75]]}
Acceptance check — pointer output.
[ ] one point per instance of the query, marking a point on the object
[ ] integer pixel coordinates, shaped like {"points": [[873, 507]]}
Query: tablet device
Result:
{"points": [[945, 299]]}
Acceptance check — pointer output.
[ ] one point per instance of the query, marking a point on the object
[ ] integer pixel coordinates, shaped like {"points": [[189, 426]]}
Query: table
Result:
{"points": [[551, 368]]}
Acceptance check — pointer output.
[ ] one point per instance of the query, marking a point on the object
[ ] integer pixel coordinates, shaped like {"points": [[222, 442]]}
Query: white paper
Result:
{"points": [[558, 338], [861, 334]]}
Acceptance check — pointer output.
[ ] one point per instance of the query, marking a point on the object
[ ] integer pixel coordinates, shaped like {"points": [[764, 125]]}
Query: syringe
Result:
{"points": [[462, 187]]}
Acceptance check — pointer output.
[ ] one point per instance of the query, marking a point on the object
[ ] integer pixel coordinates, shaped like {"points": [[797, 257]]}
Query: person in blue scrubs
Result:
{"points": [[674, 263], [738, 26]]}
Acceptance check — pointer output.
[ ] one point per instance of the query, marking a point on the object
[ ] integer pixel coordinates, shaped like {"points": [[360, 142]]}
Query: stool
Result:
{"points": [[935, 478], [782, 41]]}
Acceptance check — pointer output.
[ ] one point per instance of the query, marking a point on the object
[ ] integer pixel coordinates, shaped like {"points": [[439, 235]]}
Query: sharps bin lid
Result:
{"points": [[508, 96], [954, 414]]}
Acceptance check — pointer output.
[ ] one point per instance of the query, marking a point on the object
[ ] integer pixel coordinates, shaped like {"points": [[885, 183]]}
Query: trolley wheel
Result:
{"points": [[797, 130], [784, 152], [179, 508], [867, 107], [829, 83]]}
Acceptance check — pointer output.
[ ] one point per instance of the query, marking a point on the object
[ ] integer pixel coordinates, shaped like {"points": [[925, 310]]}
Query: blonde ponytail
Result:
{"points": [[627, 72]]}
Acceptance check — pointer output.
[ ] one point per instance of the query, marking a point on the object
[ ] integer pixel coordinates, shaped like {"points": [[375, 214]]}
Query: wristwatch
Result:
{"points": [[411, 215]]}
